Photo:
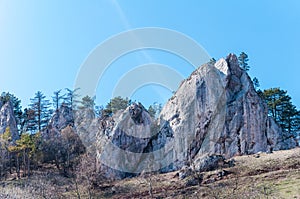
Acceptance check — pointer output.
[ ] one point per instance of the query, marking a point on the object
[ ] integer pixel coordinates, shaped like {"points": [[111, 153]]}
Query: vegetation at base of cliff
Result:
{"points": [[275, 175]]}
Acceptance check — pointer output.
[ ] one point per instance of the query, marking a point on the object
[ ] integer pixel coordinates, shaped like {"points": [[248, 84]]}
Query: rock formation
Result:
{"points": [[125, 144], [217, 111], [7, 120], [86, 126], [62, 118]]}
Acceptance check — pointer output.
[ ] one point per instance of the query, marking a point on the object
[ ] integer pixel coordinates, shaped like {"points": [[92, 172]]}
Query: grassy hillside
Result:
{"points": [[275, 175]]}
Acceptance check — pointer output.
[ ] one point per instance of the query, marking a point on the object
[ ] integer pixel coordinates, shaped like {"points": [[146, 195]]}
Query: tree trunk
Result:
{"points": [[28, 166], [18, 166], [24, 163]]}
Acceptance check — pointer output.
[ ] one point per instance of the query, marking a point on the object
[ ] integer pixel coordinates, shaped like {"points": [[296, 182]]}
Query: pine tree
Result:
{"points": [[152, 111], [243, 61], [28, 120], [212, 61], [290, 118], [255, 83], [275, 99], [42, 112], [26, 147], [155, 109], [87, 102], [57, 97], [282, 110], [71, 98], [117, 103]]}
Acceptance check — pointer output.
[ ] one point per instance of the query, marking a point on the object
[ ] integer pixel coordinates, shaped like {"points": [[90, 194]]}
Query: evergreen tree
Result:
{"points": [[152, 111], [57, 97], [42, 112], [5, 97], [290, 118], [28, 120], [71, 98], [276, 99], [282, 110], [255, 83], [87, 102], [117, 103], [158, 107], [243, 61], [212, 61], [25, 147], [155, 109]]}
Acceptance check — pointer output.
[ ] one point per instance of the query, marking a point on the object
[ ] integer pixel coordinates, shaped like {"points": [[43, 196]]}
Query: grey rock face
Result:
{"points": [[62, 118], [7, 120], [133, 144], [86, 126], [217, 111], [136, 112]]}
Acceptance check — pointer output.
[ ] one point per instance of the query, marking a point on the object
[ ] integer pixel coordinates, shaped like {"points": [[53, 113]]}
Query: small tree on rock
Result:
{"points": [[117, 103], [255, 83], [243, 61]]}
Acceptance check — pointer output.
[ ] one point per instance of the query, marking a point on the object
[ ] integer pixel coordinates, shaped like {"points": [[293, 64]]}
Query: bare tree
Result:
{"points": [[88, 175]]}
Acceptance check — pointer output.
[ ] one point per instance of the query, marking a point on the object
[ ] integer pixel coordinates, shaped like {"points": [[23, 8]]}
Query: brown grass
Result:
{"points": [[275, 175]]}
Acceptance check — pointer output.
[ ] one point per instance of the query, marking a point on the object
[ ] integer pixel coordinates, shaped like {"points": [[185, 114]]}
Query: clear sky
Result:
{"points": [[44, 43]]}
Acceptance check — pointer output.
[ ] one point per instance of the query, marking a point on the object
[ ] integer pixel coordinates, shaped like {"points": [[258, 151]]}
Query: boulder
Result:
{"points": [[209, 163]]}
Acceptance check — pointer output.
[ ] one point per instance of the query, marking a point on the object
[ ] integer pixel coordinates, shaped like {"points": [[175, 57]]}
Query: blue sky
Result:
{"points": [[44, 43]]}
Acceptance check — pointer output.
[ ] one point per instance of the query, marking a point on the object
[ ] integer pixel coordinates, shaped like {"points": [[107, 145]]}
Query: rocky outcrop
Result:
{"points": [[133, 145], [86, 126], [81, 121], [217, 111], [7, 120], [62, 118]]}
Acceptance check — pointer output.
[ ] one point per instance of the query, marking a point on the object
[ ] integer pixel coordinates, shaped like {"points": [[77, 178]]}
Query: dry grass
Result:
{"points": [[275, 175]]}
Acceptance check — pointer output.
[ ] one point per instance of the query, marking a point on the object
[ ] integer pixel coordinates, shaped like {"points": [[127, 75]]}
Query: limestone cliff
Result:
{"points": [[216, 111], [7, 120], [62, 118]]}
